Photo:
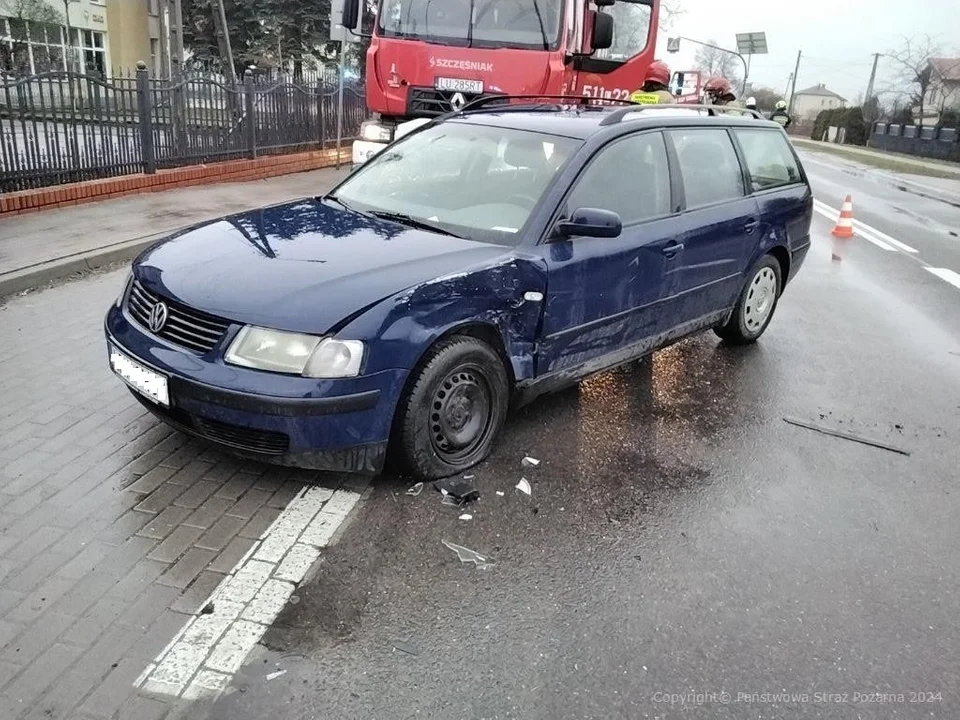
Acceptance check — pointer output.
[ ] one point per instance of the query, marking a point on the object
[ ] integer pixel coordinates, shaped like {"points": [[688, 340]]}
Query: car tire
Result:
{"points": [[756, 304], [455, 406]]}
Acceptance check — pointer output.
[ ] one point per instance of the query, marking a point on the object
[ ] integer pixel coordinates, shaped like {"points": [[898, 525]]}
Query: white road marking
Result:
{"points": [[860, 229], [948, 275], [209, 649], [883, 236]]}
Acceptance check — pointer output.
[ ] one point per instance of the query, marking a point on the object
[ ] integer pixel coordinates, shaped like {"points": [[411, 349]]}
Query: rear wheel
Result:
{"points": [[454, 409], [756, 305]]}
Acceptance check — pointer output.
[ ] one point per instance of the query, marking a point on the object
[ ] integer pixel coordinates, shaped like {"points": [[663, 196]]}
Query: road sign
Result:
{"points": [[337, 31], [673, 45], [754, 43]]}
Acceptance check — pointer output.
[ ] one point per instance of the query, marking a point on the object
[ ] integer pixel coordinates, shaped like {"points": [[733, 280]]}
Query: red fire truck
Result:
{"points": [[429, 57]]}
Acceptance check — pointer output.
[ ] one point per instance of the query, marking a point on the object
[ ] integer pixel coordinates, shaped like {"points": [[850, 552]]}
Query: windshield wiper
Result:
{"points": [[543, 33], [411, 222], [343, 204]]}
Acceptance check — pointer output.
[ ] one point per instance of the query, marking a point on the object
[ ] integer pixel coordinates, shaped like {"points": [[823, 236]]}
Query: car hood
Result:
{"points": [[303, 266]]}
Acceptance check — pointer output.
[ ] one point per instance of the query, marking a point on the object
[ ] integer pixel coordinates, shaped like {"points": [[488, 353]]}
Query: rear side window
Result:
{"points": [[709, 166], [631, 177], [769, 160]]}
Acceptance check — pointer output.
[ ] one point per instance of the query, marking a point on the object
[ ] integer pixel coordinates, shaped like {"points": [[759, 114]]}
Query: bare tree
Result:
{"points": [[670, 11], [915, 72], [712, 61]]}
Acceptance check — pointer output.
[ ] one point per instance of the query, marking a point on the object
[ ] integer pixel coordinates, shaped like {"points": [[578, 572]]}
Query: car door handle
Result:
{"points": [[751, 225], [672, 249]]}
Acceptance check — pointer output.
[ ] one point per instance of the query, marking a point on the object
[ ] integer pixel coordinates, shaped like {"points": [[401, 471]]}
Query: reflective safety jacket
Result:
{"points": [[657, 97]]}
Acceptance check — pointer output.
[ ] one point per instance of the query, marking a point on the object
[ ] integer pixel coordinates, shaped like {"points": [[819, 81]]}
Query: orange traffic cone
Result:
{"points": [[844, 227]]}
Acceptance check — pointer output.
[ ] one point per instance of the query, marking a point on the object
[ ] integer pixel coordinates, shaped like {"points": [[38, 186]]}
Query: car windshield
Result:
{"points": [[474, 181], [494, 23]]}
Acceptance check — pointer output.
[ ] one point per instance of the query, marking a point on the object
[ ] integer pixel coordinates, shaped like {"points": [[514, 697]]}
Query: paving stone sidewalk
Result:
{"points": [[113, 528]]}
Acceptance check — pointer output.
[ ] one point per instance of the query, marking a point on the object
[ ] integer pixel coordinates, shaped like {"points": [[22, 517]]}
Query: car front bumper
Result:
{"points": [[336, 425]]}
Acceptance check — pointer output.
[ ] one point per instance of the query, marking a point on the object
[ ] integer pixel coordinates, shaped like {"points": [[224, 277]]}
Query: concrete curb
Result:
{"points": [[915, 188], [898, 182], [36, 275]]}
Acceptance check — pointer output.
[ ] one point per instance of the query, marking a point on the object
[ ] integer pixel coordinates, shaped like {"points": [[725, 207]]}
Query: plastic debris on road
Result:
{"points": [[462, 490], [524, 486], [405, 647], [467, 555], [416, 489], [529, 462], [845, 435], [275, 675], [500, 493], [466, 516]]}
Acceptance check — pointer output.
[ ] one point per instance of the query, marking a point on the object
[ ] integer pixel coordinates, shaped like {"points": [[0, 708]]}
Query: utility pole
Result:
{"points": [[786, 90], [223, 38], [873, 76], [793, 84]]}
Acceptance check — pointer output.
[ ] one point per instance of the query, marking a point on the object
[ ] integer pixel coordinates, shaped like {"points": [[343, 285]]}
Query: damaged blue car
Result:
{"points": [[484, 259]]}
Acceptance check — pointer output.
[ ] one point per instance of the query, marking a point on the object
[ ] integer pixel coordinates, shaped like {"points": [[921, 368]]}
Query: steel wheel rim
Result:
{"points": [[761, 297], [461, 413]]}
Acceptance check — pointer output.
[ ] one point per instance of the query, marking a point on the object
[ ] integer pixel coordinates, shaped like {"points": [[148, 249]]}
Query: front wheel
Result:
{"points": [[756, 305], [449, 418]]}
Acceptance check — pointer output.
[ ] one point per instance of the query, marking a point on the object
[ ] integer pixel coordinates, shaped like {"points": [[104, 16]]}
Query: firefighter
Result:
{"points": [[655, 89], [780, 115], [718, 91], [751, 103]]}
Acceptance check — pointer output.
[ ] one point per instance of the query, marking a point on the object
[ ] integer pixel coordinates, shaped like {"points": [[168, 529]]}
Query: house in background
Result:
{"points": [[808, 103], [943, 92]]}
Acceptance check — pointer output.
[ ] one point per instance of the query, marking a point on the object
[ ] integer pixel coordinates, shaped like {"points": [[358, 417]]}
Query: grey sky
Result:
{"points": [[837, 37]]}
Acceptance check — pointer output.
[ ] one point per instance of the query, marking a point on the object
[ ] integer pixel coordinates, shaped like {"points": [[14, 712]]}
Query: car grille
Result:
{"points": [[186, 327], [430, 101], [251, 440]]}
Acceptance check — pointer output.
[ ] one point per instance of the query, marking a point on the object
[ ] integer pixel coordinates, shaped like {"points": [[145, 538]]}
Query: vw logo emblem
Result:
{"points": [[457, 101], [158, 317]]}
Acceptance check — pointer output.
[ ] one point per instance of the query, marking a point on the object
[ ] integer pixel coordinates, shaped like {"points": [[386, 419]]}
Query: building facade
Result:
{"points": [[94, 37], [807, 104]]}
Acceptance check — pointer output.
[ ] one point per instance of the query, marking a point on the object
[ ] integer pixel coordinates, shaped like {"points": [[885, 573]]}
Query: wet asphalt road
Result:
{"points": [[685, 553]]}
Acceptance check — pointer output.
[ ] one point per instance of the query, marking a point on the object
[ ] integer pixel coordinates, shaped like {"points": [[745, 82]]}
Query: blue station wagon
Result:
{"points": [[488, 257]]}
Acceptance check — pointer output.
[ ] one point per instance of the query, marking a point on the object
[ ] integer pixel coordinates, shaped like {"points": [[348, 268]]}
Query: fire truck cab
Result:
{"points": [[428, 57]]}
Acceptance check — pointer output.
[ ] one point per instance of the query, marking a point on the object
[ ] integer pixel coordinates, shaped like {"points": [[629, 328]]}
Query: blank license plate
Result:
{"points": [[144, 380], [459, 85]]}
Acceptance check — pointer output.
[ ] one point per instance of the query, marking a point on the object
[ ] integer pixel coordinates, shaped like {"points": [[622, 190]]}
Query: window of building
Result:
{"points": [[27, 48], [709, 166]]}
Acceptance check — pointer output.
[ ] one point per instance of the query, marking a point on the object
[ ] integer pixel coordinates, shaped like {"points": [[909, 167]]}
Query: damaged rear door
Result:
{"points": [[606, 295]]}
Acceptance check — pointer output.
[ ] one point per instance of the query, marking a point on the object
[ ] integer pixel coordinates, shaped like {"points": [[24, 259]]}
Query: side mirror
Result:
{"points": [[602, 37], [589, 222], [351, 14]]}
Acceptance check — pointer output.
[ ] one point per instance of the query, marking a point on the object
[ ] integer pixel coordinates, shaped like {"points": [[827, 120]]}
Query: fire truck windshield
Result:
{"points": [[533, 24]]}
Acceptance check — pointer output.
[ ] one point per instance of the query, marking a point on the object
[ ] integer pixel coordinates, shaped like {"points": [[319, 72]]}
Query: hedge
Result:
{"points": [[849, 118]]}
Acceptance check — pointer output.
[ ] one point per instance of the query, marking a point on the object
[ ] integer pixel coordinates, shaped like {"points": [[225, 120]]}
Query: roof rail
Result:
{"points": [[618, 115], [481, 102]]}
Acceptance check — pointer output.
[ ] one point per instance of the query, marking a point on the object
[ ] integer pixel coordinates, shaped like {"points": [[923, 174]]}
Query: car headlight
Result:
{"points": [[375, 132], [295, 353]]}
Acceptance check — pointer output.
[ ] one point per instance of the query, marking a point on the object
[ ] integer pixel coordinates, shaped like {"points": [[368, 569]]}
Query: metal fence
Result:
{"points": [[932, 142], [66, 127]]}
